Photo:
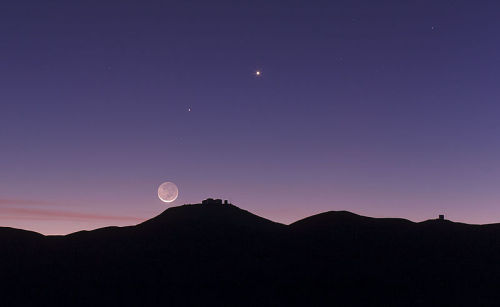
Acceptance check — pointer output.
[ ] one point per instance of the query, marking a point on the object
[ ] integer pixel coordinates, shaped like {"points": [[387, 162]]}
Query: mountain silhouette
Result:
{"points": [[209, 217], [225, 256]]}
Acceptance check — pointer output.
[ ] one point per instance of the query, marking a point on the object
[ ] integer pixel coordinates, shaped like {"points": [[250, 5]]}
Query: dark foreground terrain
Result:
{"points": [[224, 256]]}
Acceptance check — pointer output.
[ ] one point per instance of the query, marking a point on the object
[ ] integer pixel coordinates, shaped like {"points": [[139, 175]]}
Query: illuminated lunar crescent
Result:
{"points": [[168, 192]]}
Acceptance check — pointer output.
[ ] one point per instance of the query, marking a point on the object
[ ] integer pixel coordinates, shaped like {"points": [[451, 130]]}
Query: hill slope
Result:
{"points": [[207, 216]]}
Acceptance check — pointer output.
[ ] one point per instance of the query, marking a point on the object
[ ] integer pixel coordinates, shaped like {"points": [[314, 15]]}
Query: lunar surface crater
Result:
{"points": [[168, 192]]}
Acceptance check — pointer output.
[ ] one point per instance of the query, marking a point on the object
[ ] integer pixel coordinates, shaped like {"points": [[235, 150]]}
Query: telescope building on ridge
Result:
{"points": [[211, 201]]}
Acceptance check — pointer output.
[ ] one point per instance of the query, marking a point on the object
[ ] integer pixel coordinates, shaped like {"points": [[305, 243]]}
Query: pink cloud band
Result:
{"points": [[25, 202], [30, 213]]}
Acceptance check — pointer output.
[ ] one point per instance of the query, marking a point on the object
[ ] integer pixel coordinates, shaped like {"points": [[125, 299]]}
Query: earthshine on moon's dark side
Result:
{"points": [[168, 192]]}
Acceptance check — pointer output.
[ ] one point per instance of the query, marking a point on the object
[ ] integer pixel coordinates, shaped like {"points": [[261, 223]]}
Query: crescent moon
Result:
{"points": [[168, 192]]}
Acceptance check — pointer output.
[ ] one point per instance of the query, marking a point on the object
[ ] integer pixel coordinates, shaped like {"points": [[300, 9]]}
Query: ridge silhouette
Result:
{"points": [[202, 216], [225, 256]]}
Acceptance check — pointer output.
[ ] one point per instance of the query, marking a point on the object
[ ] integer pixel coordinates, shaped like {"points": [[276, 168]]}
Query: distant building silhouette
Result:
{"points": [[441, 217], [211, 201]]}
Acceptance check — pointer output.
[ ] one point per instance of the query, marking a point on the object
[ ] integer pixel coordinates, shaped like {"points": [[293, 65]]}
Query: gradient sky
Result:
{"points": [[382, 108]]}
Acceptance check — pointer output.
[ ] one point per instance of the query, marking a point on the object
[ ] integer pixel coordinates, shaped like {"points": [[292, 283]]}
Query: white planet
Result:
{"points": [[168, 192]]}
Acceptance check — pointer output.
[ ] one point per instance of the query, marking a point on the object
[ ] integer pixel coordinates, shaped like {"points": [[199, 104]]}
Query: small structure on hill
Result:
{"points": [[441, 217], [211, 201]]}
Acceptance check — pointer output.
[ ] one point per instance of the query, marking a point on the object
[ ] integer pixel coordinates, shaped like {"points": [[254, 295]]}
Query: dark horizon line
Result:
{"points": [[230, 204]]}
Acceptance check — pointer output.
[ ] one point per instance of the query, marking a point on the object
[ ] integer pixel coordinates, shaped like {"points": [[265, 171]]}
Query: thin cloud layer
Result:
{"points": [[43, 214], [25, 202]]}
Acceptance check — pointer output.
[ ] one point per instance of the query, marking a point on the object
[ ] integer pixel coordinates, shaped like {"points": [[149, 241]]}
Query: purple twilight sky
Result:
{"points": [[382, 108]]}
